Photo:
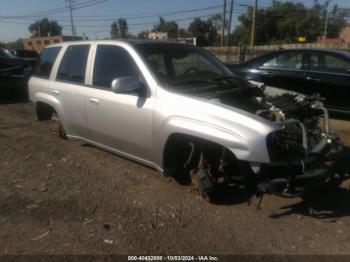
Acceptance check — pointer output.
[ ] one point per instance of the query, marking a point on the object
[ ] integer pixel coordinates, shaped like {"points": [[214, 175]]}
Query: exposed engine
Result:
{"points": [[303, 120]]}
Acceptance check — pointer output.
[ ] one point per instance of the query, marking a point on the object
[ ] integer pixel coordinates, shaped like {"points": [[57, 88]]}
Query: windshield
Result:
{"points": [[176, 65], [5, 53]]}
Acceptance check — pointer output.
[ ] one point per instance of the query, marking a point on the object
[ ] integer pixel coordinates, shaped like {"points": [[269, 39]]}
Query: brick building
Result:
{"points": [[38, 43]]}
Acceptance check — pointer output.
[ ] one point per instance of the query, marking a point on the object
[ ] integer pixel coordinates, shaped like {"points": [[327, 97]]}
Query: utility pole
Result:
{"points": [[71, 16], [252, 36], [223, 17], [326, 23], [229, 23]]}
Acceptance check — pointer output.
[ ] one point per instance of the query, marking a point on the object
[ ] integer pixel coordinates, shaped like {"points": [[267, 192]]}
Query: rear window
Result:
{"points": [[46, 61]]}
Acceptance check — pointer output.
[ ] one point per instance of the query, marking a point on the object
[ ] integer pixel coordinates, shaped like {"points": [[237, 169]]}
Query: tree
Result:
{"points": [[143, 35], [115, 31], [119, 29], [169, 27], [45, 27], [123, 28], [205, 31], [284, 22]]}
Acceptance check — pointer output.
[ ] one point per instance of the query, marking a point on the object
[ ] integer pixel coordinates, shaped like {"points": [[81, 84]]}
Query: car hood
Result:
{"points": [[212, 110]]}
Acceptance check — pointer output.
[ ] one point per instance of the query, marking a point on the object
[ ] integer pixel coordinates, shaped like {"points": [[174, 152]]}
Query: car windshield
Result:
{"points": [[5, 53], [177, 65]]}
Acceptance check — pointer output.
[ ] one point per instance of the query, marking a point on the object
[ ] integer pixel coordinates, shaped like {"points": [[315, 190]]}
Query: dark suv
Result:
{"points": [[306, 71]]}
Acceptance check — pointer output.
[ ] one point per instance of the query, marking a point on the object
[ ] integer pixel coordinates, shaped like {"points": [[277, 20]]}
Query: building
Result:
{"points": [[38, 43], [345, 35], [343, 38], [158, 35]]}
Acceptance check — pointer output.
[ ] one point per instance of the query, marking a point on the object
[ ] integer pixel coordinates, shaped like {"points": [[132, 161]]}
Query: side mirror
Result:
{"points": [[126, 85]]}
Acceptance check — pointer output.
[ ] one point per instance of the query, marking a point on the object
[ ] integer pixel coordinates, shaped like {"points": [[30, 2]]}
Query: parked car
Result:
{"points": [[307, 71], [178, 109], [31, 56], [14, 73]]}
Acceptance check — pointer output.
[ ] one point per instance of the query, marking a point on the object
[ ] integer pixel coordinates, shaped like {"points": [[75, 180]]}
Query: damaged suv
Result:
{"points": [[178, 109]]}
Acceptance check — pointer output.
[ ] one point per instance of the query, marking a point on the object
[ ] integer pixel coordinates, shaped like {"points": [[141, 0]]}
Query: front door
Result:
{"points": [[122, 122]]}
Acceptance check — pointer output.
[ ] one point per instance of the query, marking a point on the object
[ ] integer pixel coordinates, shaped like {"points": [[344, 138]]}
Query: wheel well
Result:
{"points": [[44, 111], [177, 153]]}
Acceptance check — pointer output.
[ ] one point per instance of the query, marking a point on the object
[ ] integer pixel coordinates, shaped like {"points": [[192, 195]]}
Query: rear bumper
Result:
{"points": [[292, 179]]}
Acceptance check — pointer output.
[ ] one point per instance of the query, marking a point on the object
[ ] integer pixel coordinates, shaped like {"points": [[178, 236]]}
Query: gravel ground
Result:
{"points": [[64, 197]]}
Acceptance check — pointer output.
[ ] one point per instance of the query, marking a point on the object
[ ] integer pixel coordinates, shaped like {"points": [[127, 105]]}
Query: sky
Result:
{"points": [[94, 21]]}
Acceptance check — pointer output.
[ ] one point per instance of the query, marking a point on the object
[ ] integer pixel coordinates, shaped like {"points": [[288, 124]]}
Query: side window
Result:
{"points": [[73, 64], [112, 62], [46, 61], [285, 61], [328, 63]]}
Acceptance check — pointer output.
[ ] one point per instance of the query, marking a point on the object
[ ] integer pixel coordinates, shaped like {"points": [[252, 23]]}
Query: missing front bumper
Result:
{"points": [[292, 179]]}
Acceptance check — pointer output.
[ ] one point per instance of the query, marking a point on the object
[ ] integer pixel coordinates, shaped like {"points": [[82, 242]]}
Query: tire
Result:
{"points": [[43, 112]]}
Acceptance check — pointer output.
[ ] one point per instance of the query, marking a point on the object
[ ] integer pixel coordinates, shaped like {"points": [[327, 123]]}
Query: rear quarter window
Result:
{"points": [[46, 61]]}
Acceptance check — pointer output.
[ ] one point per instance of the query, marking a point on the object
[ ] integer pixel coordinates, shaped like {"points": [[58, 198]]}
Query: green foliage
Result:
{"points": [[169, 27], [284, 22], [204, 31], [115, 31], [46, 27], [123, 28], [119, 29], [143, 35]]}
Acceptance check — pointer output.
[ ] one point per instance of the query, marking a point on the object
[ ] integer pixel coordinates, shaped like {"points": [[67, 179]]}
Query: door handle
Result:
{"points": [[55, 92], [94, 101], [313, 79]]}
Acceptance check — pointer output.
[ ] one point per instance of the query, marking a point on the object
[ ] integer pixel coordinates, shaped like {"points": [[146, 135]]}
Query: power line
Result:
{"points": [[84, 4]]}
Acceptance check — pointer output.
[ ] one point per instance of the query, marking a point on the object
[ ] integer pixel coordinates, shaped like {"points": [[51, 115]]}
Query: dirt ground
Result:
{"points": [[64, 197]]}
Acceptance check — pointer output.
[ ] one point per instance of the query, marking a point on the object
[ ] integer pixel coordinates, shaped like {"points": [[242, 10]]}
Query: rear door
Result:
{"points": [[122, 122], [329, 76], [285, 70], [70, 89]]}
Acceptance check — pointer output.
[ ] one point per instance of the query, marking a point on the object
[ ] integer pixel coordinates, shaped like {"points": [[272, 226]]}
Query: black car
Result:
{"points": [[14, 73], [306, 71], [31, 56]]}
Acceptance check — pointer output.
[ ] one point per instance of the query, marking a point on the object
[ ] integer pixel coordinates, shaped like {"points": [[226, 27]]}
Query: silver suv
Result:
{"points": [[178, 109]]}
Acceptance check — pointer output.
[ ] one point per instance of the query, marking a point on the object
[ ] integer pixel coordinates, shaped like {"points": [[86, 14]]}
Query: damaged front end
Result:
{"points": [[302, 152]]}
